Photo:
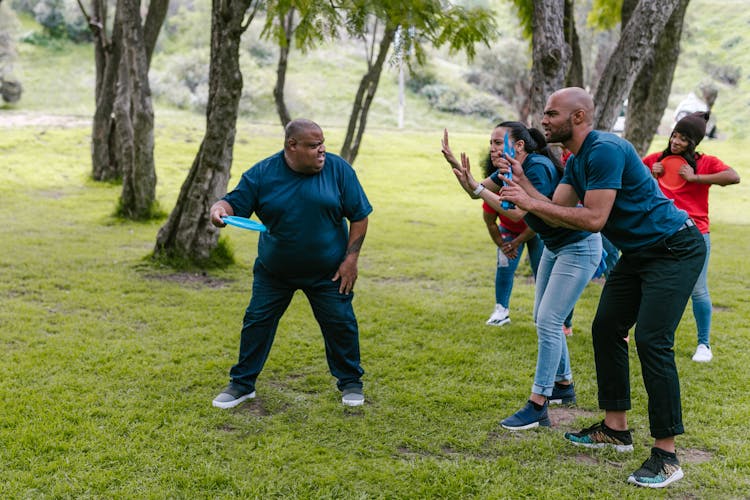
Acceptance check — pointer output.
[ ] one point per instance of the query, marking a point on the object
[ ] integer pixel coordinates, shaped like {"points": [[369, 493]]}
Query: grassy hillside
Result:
{"points": [[715, 44], [321, 82]]}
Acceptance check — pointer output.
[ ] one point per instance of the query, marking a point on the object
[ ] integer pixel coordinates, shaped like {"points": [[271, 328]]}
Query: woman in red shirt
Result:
{"points": [[685, 176]]}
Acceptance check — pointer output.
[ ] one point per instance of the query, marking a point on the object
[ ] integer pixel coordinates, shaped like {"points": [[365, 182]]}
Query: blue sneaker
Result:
{"points": [[563, 395], [659, 470], [527, 417]]}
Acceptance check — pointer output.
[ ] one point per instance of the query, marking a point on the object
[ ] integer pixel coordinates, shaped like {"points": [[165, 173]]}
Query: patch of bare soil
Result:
{"points": [[693, 456], [563, 417], [191, 279], [11, 119]]}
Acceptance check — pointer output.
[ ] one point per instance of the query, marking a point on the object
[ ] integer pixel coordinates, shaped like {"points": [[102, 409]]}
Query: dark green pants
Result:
{"points": [[333, 311], [648, 288]]}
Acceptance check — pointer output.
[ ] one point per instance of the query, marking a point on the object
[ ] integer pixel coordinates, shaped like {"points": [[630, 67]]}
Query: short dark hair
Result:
{"points": [[295, 127]]}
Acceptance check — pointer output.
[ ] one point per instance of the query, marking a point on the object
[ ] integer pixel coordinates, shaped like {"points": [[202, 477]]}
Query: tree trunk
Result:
{"points": [[157, 12], [574, 78], [551, 54], [636, 45], [188, 234], [365, 94], [105, 160], [135, 119], [107, 54], [278, 91], [650, 93]]}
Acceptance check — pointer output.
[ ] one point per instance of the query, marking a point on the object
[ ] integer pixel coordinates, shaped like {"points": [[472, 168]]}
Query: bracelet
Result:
{"points": [[478, 189]]}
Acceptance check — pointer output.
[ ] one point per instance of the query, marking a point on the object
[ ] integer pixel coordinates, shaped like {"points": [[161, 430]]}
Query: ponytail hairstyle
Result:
{"points": [[533, 141]]}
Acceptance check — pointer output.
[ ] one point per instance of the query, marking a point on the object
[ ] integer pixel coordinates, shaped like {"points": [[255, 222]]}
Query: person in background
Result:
{"points": [[305, 197], [606, 188], [568, 261], [696, 175], [510, 237]]}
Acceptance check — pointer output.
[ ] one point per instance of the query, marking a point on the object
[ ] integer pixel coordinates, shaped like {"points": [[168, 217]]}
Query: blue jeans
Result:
{"points": [[702, 306], [506, 268], [333, 311], [613, 254], [561, 278]]}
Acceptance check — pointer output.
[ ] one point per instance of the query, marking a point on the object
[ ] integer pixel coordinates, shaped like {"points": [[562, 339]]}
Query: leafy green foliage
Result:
{"points": [[525, 13], [605, 14]]}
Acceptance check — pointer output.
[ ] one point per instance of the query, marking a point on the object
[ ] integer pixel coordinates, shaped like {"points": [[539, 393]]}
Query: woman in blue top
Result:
{"points": [[568, 262]]}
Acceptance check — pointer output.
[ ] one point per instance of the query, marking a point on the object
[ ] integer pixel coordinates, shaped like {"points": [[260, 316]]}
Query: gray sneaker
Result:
{"points": [[353, 397], [232, 396]]}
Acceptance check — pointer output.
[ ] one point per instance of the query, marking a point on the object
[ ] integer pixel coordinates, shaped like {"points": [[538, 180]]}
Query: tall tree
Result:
{"points": [[574, 77], [300, 23], [134, 115], [188, 234], [368, 85], [636, 45], [551, 54], [649, 95], [423, 21], [122, 128], [286, 23]]}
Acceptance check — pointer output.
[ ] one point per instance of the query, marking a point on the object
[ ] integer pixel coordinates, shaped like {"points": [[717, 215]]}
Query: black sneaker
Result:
{"points": [[563, 395], [661, 469], [601, 436]]}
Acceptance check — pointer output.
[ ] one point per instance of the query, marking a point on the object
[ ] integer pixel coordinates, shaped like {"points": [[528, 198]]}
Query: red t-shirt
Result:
{"points": [[692, 197], [516, 227]]}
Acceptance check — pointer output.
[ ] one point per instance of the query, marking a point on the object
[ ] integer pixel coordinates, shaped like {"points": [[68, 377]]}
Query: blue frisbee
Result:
{"points": [[244, 223]]}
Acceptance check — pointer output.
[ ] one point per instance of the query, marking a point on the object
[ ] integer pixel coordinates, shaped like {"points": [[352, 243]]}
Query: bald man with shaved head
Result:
{"points": [[606, 188]]}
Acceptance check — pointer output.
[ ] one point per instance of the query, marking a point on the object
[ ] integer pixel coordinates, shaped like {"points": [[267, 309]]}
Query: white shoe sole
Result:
{"points": [[674, 477], [231, 404], [352, 402], [499, 322], [622, 448]]}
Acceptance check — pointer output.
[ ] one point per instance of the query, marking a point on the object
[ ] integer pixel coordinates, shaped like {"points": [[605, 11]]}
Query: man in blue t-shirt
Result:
{"points": [[662, 256], [304, 197]]}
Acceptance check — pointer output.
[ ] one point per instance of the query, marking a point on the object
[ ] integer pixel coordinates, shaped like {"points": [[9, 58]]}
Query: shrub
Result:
{"points": [[725, 73], [419, 78], [444, 98], [62, 19], [183, 81]]}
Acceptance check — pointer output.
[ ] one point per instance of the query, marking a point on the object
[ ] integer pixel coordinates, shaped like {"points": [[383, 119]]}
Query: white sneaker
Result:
{"points": [[703, 354], [499, 316]]}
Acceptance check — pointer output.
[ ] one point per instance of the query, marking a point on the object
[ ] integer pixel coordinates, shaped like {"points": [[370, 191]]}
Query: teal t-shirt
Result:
{"points": [[305, 214], [641, 214], [543, 175]]}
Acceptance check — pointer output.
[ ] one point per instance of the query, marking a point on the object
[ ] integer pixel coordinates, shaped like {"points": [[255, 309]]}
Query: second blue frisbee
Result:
{"points": [[244, 223]]}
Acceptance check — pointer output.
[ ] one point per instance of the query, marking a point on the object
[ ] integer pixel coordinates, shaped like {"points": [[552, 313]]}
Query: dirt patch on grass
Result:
{"points": [[191, 279], [563, 417], [42, 120], [694, 456], [255, 407]]}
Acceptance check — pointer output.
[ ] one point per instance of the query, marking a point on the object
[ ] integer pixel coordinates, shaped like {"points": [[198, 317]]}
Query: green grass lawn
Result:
{"points": [[110, 363]]}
